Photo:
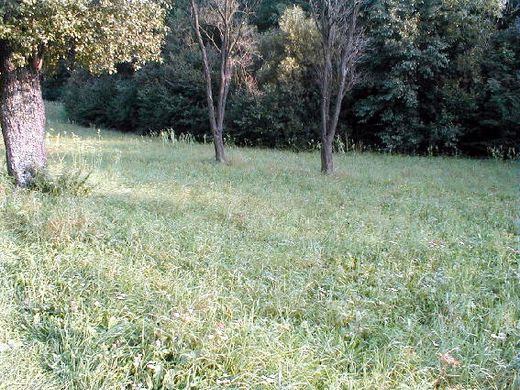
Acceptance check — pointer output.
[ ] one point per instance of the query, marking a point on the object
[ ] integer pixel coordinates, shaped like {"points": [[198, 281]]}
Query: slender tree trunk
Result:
{"points": [[218, 141], [342, 44], [22, 116], [327, 165], [326, 94], [216, 117], [329, 127]]}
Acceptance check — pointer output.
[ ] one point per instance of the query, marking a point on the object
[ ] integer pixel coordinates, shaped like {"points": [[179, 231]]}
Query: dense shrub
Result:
{"points": [[430, 86], [87, 99], [172, 97], [439, 78], [53, 83]]}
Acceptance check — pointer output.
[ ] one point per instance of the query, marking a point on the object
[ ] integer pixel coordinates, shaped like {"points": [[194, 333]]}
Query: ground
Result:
{"points": [[175, 272]]}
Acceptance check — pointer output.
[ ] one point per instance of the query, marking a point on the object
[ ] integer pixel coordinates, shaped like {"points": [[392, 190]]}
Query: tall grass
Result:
{"points": [[397, 272]]}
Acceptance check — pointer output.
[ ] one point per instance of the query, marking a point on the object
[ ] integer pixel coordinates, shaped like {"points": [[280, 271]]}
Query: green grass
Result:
{"points": [[178, 273]]}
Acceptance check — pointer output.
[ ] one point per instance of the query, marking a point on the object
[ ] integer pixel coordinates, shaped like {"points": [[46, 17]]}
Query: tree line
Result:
{"points": [[436, 76], [412, 76]]}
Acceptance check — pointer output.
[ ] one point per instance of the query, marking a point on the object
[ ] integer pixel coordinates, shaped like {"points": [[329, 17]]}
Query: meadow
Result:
{"points": [[174, 272]]}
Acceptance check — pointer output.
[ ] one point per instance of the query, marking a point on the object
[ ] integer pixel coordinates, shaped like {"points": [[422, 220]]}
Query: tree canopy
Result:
{"points": [[97, 34], [441, 76]]}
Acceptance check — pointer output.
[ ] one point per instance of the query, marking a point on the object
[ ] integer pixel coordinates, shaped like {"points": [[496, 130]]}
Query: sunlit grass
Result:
{"points": [[175, 272]]}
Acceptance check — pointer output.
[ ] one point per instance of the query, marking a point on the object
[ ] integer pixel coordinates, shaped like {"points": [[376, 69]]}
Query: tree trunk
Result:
{"points": [[218, 141], [327, 166], [22, 116], [216, 119]]}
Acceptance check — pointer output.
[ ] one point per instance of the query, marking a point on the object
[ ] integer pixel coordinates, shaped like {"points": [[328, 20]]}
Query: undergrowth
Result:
{"points": [[73, 183]]}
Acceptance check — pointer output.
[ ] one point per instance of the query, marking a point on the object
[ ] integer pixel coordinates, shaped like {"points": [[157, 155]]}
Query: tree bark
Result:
{"points": [[218, 141], [327, 166], [342, 44], [22, 116], [216, 117]]}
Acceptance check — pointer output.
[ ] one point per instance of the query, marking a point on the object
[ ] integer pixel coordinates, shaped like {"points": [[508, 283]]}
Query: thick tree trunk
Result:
{"points": [[218, 141], [22, 116], [327, 166]]}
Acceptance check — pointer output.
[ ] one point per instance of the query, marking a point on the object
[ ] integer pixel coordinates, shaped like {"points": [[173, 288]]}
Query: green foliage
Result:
{"points": [[179, 273], [98, 34], [270, 11], [172, 96], [497, 122], [440, 77], [264, 116], [87, 99], [426, 76], [301, 42], [53, 83], [158, 96], [71, 183]]}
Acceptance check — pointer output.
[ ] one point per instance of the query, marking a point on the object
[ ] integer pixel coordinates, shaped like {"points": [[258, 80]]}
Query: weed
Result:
{"points": [[73, 183]]}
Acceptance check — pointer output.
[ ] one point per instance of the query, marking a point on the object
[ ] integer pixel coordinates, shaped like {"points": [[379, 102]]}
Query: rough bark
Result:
{"points": [[22, 116], [327, 165], [326, 146], [218, 141]]}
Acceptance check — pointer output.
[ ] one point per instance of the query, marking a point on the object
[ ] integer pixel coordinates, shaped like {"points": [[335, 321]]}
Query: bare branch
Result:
{"points": [[225, 25], [342, 44]]}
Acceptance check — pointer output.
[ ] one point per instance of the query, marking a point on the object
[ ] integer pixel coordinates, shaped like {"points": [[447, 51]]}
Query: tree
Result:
{"points": [[33, 34], [270, 11], [222, 25], [342, 45], [428, 76]]}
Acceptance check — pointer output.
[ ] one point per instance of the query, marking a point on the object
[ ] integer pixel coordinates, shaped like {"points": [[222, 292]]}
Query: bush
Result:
{"points": [[72, 183], [265, 119], [88, 99]]}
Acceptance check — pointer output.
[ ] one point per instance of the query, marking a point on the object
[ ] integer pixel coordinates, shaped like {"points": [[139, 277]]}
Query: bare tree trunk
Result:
{"points": [[329, 125], [225, 80], [22, 116], [342, 44], [216, 117], [327, 165], [218, 141]]}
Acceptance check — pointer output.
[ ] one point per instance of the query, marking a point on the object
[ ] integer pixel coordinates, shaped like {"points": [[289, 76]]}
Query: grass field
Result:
{"points": [[173, 273]]}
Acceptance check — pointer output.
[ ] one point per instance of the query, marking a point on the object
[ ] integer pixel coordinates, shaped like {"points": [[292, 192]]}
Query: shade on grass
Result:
{"points": [[175, 271]]}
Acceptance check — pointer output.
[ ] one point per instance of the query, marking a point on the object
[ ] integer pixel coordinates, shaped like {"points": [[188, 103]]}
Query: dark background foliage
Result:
{"points": [[440, 77]]}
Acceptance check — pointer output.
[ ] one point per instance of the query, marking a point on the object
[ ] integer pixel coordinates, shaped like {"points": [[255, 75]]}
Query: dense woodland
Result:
{"points": [[438, 76]]}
